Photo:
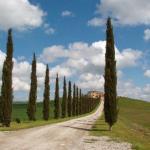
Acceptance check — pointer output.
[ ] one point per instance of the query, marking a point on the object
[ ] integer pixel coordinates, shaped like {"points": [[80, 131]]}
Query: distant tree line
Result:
{"points": [[72, 103]]}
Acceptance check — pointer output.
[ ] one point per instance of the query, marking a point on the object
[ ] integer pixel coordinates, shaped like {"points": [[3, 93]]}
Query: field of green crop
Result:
{"points": [[133, 124], [20, 109]]}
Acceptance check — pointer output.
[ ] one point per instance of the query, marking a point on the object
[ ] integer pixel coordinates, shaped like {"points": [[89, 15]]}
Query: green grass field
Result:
{"points": [[133, 124], [20, 109]]}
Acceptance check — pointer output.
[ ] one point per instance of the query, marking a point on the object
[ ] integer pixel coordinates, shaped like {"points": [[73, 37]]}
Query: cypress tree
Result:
{"points": [[64, 100], [6, 90], [110, 103], [80, 102], [74, 101], [77, 101], [1, 111], [57, 109], [46, 96], [69, 99], [31, 108]]}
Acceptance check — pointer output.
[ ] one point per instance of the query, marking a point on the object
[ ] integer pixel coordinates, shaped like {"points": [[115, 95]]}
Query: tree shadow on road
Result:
{"points": [[85, 129], [78, 128]]}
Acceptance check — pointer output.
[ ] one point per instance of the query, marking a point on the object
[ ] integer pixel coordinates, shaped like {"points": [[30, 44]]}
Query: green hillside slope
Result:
{"points": [[133, 124]]}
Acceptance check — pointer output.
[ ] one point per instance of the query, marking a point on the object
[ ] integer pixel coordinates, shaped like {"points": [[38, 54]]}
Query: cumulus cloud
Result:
{"points": [[119, 11], [83, 56], [147, 34], [86, 64], [147, 73], [90, 81], [128, 88], [62, 71], [66, 13], [20, 15], [96, 22]]}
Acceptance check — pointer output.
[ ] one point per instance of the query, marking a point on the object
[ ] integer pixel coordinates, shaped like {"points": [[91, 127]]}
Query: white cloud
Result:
{"points": [[147, 73], [66, 13], [51, 53], [129, 89], [20, 14], [90, 81], [119, 11], [48, 30], [96, 22], [82, 55], [62, 71], [85, 62], [147, 34], [128, 57], [20, 85]]}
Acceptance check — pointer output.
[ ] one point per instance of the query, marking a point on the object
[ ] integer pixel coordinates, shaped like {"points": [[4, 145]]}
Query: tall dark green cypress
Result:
{"points": [[57, 108], [77, 101], [31, 108], [74, 101], [1, 111], [6, 90], [46, 96], [110, 103], [69, 99], [80, 102], [64, 100]]}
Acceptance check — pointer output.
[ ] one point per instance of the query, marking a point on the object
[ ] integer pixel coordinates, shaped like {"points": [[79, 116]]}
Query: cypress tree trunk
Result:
{"points": [[31, 108], [74, 101], [110, 103], [69, 100], [46, 96], [64, 100], [6, 90], [57, 110]]}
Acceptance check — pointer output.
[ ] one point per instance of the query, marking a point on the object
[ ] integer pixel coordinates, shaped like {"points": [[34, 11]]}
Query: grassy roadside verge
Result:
{"points": [[30, 124], [133, 124]]}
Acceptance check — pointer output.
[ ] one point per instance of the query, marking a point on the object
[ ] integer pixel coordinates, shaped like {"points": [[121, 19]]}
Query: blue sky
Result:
{"points": [[69, 35]]}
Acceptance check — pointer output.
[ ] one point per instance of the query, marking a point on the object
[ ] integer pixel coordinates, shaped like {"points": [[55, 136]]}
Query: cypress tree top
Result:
{"points": [[9, 45], [110, 49]]}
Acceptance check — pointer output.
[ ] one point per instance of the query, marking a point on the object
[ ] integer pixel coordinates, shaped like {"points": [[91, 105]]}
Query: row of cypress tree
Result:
{"points": [[70, 105], [66, 106], [76, 104]]}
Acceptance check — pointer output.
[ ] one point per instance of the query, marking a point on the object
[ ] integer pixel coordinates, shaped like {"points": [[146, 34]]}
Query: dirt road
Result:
{"points": [[68, 135]]}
